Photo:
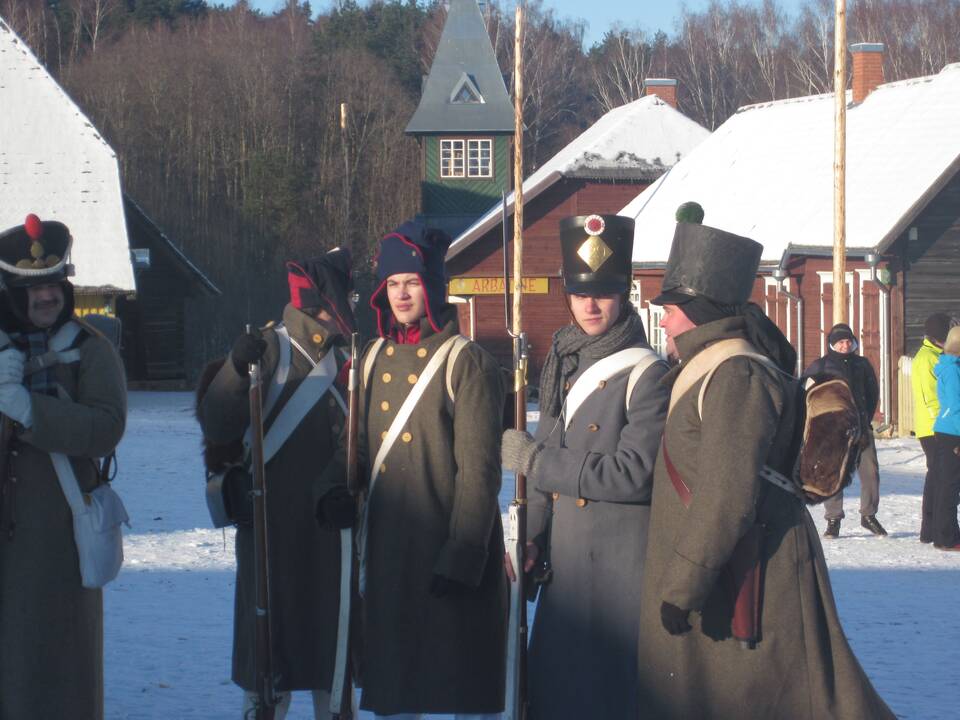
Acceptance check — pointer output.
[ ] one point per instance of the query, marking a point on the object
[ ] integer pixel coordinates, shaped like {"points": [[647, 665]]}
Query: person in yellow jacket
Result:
{"points": [[925, 404]]}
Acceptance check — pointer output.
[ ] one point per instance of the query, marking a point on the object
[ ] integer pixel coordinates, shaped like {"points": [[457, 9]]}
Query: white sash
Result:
{"points": [[604, 370], [399, 421], [307, 395]]}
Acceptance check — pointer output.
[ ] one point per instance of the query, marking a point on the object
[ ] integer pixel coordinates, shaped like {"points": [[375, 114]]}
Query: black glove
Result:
{"points": [[338, 509], [248, 348], [674, 619], [237, 485], [442, 586]]}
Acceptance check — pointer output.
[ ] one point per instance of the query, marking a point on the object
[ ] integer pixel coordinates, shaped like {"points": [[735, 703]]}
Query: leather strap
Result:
{"points": [[703, 362], [683, 491]]}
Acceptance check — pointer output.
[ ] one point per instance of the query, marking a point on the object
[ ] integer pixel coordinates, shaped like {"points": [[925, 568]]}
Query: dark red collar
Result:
{"points": [[409, 335]]}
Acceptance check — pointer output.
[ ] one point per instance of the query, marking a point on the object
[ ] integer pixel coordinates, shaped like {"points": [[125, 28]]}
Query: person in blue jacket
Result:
{"points": [[946, 429]]}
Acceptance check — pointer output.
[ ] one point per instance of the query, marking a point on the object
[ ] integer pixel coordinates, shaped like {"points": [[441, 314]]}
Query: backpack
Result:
{"points": [[826, 446]]}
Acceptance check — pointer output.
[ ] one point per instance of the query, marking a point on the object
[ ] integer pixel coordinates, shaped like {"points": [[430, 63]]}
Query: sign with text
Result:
{"points": [[494, 286]]}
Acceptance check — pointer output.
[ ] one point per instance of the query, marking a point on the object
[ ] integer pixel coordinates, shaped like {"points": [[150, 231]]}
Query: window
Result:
{"points": [[478, 158], [476, 163], [657, 339], [451, 158]]}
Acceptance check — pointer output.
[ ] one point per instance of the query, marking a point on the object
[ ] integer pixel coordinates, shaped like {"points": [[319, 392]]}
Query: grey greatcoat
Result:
{"points": [[802, 667], [590, 505], [51, 628], [304, 558], [433, 510]]}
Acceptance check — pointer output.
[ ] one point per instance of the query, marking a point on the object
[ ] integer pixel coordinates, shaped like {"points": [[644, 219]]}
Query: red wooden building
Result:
{"points": [[598, 172]]}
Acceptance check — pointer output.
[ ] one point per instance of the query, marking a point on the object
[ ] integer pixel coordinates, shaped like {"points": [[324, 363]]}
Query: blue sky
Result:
{"points": [[651, 15]]}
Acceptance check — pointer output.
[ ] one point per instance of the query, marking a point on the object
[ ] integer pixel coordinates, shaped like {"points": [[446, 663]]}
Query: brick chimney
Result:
{"points": [[867, 69], [664, 88]]}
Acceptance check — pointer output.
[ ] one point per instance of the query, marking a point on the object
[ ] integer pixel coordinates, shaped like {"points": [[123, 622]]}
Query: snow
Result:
{"points": [[767, 172], [54, 163], [168, 617], [646, 133]]}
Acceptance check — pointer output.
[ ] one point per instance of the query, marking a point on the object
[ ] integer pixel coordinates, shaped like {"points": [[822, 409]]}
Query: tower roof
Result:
{"points": [[464, 91]]}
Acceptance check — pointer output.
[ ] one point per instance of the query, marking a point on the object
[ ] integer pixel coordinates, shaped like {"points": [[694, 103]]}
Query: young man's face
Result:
{"points": [[595, 314], [674, 322], [407, 298], [44, 303]]}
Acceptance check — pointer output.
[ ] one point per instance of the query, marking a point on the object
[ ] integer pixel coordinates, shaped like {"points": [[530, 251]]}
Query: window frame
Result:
{"points": [[465, 148]]}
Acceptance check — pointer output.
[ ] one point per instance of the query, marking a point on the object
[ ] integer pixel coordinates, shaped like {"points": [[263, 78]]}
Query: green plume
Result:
{"points": [[690, 212]]}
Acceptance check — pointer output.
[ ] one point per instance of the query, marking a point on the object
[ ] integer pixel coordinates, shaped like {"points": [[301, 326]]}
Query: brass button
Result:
{"points": [[602, 384], [556, 496], [566, 385], [593, 427], [384, 406], [406, 437], [383, 435], [387, 377], [317, 338], [581, 503], [422, 352], [383, 468], [411, 378], [389, 350]]}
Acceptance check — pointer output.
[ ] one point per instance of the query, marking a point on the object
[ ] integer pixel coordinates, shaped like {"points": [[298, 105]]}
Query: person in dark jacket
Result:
{"points": [[304, 559], [590, 468], [843, 362]]}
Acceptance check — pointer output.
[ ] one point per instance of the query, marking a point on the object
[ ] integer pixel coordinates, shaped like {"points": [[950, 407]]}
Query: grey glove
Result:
{"points": [[11, 366], [15, 403], [518, 451]]}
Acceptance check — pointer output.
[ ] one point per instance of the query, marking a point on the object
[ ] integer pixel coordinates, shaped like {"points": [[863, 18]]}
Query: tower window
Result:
{"points": [[451, 158], [466, 158], [479, 153]]}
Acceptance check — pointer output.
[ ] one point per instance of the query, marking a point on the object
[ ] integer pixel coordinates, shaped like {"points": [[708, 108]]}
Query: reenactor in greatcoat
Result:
{"points": [[62, 387], [430, 536], [304, 560], [716, 521], [590, 468]]}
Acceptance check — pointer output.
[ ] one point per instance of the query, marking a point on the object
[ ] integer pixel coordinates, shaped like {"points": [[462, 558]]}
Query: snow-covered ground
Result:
{"points": [[168, 617]]}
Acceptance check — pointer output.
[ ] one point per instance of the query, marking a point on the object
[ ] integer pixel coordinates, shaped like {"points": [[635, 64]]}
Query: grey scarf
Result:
{"points": [[570, 341]]}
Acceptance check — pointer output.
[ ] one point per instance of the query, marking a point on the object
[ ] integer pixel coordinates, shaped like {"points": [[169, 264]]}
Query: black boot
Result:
{"points": [[833, 529], [871, 523]]}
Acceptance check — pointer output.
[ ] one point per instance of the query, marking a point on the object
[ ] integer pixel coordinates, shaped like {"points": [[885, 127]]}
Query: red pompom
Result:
{"points": [[33, 226]]}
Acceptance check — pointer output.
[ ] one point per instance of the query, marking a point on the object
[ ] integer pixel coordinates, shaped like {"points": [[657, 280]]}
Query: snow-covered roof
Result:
{"points": [[55, 164], [639, 140], [767, 172]]}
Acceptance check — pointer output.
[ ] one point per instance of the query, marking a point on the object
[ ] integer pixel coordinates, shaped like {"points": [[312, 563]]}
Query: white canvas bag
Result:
{"points": [[97, 520]]}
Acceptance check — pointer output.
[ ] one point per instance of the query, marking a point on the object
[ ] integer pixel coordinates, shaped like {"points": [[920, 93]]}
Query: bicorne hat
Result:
{"points": [[324, 283], [35, 253], [597, 254]]}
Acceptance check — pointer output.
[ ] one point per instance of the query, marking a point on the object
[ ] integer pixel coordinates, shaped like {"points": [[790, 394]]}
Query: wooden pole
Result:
{"points": [[517, 169], [346, 176], [840, 164]]}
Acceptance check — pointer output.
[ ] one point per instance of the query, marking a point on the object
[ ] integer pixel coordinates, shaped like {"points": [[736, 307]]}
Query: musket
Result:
{"points": [[341, 693], [516, 535], [266, 700]]}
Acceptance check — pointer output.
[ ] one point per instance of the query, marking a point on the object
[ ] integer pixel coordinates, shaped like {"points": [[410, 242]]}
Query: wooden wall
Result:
{"points": [[930, 264], [542, 314]]}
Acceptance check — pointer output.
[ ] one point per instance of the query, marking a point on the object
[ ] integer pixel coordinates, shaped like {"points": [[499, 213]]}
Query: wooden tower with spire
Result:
{"points": [[464, 124]]}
